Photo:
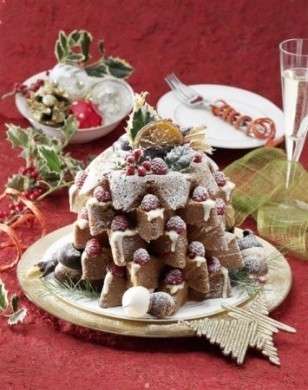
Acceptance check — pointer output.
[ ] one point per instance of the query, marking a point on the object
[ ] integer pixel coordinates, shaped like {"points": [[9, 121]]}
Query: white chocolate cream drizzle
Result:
{"points": [[208, 205], [153, 214], [199, 260], [226, 282], [107, 282], [173, 236], [82, 224], [227, 189], [116, 243], [174, 288]]}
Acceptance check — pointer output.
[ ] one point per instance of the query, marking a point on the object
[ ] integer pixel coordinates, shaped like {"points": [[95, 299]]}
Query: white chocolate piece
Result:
{"points": [[136, 301]]}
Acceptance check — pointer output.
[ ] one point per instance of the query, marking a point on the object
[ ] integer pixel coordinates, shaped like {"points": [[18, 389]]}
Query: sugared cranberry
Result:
{"points": [[177, 224], [119, 223], [83, 213], [141, 171], [130, 170], [137, 153], [200, 194], [141, 256], [130, 159], [102, 194], [197, 158], [196, 248], [213, 264], [116, 270], [220, 178], [80, 178], [150, 202], [158, 166], [220, 207], [175, 276], [147, 165], [93, 247]]}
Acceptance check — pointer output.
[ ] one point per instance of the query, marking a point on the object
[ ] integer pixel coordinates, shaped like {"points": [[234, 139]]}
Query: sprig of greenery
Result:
{"points": [[10, 307], [56, 168], [74, 48]]}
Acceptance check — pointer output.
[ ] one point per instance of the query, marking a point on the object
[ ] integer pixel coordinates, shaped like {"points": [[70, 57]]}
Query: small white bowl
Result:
{"points": [[82, 135]]}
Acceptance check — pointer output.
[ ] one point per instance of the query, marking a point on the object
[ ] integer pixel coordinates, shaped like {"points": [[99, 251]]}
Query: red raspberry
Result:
{"points": [[147, 165], [220, 178], [137, 153], [83, 213], [141, 171], [175, 276], [93, 247], [158, 166], [150, 202], [213, 264], [197, 158], [80, 178], [119, 222], [176, 223], [220, 206], [130, 159], [117, 270], [130, 170], [196, 248], [200, 194], [141, 256], [102, 194]]}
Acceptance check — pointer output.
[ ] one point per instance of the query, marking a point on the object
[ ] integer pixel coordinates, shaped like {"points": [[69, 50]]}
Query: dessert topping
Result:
{"points": [[196, 248], [200, 194], [93, 247], [119, 222], [102, 194], [174, 276], [150, 202], [177, 224], [141, 256]]}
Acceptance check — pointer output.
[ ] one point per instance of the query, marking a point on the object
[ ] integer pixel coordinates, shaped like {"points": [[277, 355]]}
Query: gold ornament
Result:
{"points": [[244, 328]]}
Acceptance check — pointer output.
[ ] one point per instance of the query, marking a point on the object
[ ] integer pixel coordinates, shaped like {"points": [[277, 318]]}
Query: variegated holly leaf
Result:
{"points": [[14, 303], [97, 70], [18, 182], [50, 158], [4, 301], [118, 67], [17, 317], [74, 47]]}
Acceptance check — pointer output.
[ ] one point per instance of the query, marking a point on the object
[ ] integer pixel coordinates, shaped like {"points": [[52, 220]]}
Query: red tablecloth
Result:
{"points": [[226, 42]]}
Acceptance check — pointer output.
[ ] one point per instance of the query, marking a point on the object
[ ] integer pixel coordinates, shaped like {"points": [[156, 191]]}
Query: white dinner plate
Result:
{"points": [[221, 134]]}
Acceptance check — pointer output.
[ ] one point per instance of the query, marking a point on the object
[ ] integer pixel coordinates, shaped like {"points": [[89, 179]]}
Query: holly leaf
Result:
{"points": [[50, 158], [63, 40], [17, 317], [74, 37], [18, 182], [85, 43], [140, 118], [17, 136], [97, 70], [69, 129], [75, 57], [101, 47], [14, 303], [118, 67], [3, 296]]}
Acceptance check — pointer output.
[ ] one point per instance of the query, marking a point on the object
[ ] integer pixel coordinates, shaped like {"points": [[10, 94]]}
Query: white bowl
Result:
{"points": [[82, 135]]}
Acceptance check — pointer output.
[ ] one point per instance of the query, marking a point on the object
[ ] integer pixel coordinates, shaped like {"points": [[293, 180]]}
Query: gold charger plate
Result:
{"points": [[276, 289]]}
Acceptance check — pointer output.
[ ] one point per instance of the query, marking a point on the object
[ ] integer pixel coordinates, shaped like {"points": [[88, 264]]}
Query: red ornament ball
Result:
{"points": [[86, 114]]}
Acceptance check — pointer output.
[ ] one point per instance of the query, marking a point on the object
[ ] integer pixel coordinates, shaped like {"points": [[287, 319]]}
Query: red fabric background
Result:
{"points": [[227, 42]]}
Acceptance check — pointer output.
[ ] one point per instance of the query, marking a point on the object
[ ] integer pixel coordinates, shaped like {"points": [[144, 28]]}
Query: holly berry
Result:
{"points": [[141, 171], [177, 224], [130, 159], [175, 276], [141, 256], [200, 194], [158, 166], [197, 158], [130, 170], [137, 153], [147, 165], [196, 248], [86, 114], [149, 202], [119, 223]]}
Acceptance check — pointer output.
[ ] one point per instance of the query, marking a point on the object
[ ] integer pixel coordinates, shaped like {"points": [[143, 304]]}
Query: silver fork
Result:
{"points": [[186, 94]]}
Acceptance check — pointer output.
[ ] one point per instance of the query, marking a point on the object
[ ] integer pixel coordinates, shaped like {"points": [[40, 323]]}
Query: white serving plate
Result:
{"points": [[82, 135], [219, 133]]}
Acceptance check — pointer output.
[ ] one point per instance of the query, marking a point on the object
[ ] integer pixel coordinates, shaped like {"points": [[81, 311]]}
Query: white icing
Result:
{"points": [[227, 189], [153, 214], [226, 282], [107, 282], [116, 243], [134, 269], [173, 236], [199, 260], [256, 251], [208, 205], [82, 224], [174, 288]]}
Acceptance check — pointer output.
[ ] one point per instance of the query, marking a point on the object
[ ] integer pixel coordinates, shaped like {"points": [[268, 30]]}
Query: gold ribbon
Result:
{"points": [[281, 211]]}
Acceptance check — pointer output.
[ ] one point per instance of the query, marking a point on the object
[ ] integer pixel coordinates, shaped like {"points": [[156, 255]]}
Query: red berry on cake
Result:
{"points": [[102, 194], [137, 153], [80, 178], [83, 214], [177, 224], [196, 248], [86, 114], [130, 159], [220, 206], [150, 202], [116, 270], [119, 223], [200, 194], [162, 304], [130, 170], [141, 256], [147, 165], [93, 247], [213, 264], [158, 166], [220, 178], [174, 276], [141, 171], [197, 158]]}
